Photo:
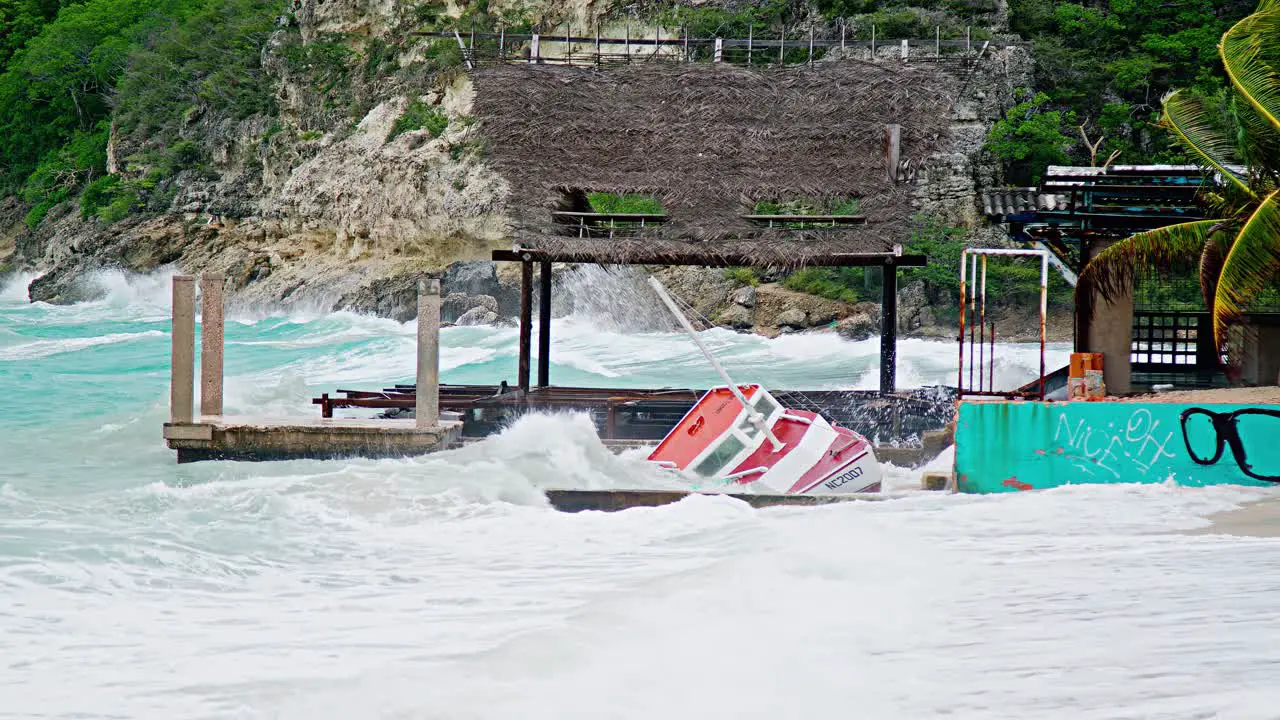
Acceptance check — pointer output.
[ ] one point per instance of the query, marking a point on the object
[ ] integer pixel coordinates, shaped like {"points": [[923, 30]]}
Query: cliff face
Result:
{"points": [[372, 170], [310, 205]]}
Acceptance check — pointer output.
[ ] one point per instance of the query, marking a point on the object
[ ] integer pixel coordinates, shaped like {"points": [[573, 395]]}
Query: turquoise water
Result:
{"points": [[444, 587]]}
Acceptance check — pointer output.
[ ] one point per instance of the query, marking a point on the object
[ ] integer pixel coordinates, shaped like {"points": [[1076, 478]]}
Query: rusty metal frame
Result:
{"points": [[973, 281]]}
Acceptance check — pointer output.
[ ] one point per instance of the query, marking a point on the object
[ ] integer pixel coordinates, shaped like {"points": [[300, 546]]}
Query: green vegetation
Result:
{"points": [[742, 275], [1238, 252], [627, 203], [1014, 281], [1104, 66], [419, 116], [809, 206], [155, 60]]}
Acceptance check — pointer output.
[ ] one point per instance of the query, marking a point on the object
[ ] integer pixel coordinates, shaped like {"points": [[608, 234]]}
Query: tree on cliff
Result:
{"points": [[1237, 135]]}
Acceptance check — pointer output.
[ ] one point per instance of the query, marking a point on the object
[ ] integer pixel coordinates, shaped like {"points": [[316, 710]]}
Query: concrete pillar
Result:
{"points": [[182, 355], [427, 394], [211, 344], [1111, 333], [719, 50]]}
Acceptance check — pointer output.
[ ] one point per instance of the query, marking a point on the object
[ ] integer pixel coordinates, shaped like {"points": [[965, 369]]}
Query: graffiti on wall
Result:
{"points": [[1025, 445]]}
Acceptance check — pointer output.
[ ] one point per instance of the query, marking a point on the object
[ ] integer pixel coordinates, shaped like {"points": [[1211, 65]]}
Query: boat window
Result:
{"points": [[764, 404], [720, 456]]}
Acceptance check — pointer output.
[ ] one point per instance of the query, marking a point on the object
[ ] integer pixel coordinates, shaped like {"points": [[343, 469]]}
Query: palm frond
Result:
{"points": [[1250, 268], [1258, 142], [1211, 259], [1248, 52], [1190, 120], [1110, 274]]}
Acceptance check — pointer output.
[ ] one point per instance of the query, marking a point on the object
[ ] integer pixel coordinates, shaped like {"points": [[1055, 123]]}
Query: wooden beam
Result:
{"points": [[544, 325], [729, 260], [526, 324]]}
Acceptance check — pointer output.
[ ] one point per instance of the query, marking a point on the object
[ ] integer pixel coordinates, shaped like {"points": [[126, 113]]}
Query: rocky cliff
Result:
{"points": [[371, 171]]}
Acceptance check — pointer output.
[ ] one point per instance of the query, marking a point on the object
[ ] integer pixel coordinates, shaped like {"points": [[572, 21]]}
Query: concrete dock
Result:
{"points": [[213, 436], [254, 439]]}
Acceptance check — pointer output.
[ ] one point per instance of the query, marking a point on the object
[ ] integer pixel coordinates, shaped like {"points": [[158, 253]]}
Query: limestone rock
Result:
{"points": [[744, 296], [794, 318], [478, 315], [859, 326], [735, 316]]}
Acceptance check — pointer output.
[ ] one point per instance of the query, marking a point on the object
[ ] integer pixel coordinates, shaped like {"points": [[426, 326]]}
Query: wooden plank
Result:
{"points": [[712, 259]]}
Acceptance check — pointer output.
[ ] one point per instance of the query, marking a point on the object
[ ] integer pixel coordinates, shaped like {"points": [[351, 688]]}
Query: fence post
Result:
{"points": [[719, 50], [686, 44], [937, 41], [427, 391], [842, 37], [810, 44], [182, 350], [968, 39], [906, 45], [782, 44], [534, 49], [873, 43], [502, 42], [892, 149], [211, 334], [750, 38]]}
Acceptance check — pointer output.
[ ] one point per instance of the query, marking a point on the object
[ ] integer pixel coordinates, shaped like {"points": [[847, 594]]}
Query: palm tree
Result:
{"points": [[1237, 136]]}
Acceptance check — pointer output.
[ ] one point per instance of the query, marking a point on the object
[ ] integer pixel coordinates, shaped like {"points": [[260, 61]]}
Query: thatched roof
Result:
{"points": [[710, 140]]}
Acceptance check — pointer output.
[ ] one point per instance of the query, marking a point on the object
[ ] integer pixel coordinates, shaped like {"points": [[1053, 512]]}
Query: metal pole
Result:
{"points": [[1044, 311], [568, 43], [842, 37], [211, 343], [627, 44], [750, 37], [937, 41], [427, 391], [982, 324], [502, 42], [968, 40], [754, 415], [782, 44], [544, 325], [182, 352], [991, 380], [888, 327], [873, 43], [810, 44], [686, 43], [960, 377], [973, 289], [526, 324]]}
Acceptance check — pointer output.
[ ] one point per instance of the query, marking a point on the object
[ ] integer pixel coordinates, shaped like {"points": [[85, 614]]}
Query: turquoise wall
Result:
{"points": [[1010, 446]]}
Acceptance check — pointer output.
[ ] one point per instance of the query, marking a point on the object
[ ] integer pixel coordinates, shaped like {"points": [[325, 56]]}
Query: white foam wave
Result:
{"points": [[47, 348], [14, 289]]}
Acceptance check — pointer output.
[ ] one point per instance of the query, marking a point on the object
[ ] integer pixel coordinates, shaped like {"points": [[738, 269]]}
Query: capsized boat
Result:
{"points": [[741, 435]]}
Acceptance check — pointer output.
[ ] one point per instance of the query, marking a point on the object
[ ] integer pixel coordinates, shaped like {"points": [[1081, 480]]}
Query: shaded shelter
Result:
{"points": [[711, 142]]}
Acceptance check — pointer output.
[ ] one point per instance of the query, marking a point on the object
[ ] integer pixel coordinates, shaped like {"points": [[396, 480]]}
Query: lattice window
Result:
{"points": [[1166, 341]]}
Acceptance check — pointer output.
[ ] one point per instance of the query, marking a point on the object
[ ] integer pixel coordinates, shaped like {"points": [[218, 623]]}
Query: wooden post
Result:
{"points": [[568, 43], [182, 353], [842, 37], [889, 327], [719, 57], [686, 44], [937, 41], [782, 44], [968, 40], [526, 324], [751, 30], [502, 42], [211, 344], [906, 48], [810, 44], [544, 325], [627, 43], [873, 43], [892, 149], [427, 392], [534, 49]]}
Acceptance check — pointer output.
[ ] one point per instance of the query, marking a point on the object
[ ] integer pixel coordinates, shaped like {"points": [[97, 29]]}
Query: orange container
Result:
{"points": [[1083, 362]]}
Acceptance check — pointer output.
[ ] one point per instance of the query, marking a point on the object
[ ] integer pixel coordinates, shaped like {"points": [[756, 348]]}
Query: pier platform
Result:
{"points": [[256, 439]]}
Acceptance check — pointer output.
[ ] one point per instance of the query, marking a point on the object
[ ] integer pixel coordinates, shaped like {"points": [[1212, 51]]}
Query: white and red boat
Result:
{"points": [[741, 435]]}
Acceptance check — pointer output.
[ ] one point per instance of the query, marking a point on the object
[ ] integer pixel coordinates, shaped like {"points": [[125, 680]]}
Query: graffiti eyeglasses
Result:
{"points": [[1252, 433]]}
